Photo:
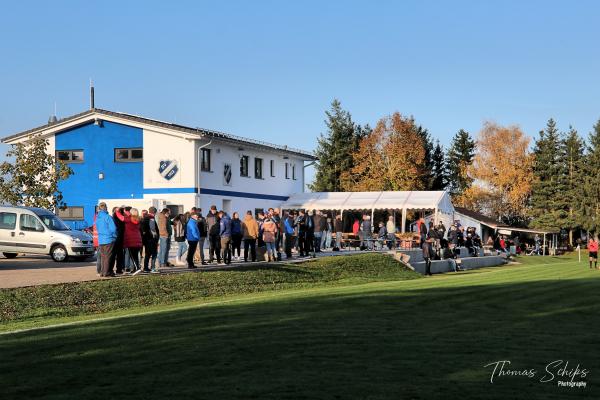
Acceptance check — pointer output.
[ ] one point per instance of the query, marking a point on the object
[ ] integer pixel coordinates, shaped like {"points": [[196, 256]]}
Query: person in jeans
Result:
{"points": [[225, 234], [269, 237], [179, 231], [150, 240], [164, 230], [326, 238], [193, 237], [366, 234], [236, 236], [250, 232], [107, 235], [390, 227], [338, 227], [119, 250]]}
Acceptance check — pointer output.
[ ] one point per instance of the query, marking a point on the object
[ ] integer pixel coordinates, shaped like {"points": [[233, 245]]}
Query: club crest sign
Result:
{"points": [[168, 169], [227, 174]]}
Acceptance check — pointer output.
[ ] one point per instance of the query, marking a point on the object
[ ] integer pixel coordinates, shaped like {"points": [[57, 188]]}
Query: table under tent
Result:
{"points": [[397, 203]]}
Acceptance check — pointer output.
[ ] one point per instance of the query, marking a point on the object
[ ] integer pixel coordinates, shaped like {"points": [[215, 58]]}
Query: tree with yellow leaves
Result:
{"points": [[391, 157], [502, 173]]}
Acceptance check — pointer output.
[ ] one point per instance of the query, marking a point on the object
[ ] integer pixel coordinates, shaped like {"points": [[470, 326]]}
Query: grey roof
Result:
{"points": [[182, 128]]}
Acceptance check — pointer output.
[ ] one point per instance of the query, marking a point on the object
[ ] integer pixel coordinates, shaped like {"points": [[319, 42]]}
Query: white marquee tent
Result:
{"points": [[437, 201]]}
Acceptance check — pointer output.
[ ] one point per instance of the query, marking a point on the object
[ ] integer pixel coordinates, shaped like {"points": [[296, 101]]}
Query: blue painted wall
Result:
{"points": [[121, 180]]}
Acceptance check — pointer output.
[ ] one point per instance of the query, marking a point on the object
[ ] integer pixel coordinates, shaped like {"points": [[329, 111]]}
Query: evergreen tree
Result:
{"points": [[548, 207], [335, 148], [458, 158], [439, 175], [590, 201], [572, 154]]}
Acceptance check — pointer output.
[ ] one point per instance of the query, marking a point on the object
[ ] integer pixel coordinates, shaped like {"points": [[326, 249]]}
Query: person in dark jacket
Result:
{"points": [[150, 239], [236, 236], [310, 234], [212, 223], [203, 232], [300, 223], [119, 251]]}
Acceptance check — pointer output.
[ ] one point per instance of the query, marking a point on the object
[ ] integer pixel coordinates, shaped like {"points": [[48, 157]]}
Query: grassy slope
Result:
{"points": [[425, 338]]}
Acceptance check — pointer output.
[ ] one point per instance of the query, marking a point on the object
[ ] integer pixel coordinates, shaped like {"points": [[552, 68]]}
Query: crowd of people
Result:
{"points": [[130, 242], [133, 242]]}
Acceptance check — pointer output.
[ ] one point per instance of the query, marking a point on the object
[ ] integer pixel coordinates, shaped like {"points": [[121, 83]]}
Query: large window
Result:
{"points": [[205, 160], [287, 171], [244, 166], [272, 168], [70, 156], [129, 155], [258, 168], [294, 171], [8, 220], [30, 223], [73, 213]]}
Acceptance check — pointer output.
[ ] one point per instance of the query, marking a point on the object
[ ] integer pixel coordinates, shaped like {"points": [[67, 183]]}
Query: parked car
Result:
{"points": [[28, 230]]}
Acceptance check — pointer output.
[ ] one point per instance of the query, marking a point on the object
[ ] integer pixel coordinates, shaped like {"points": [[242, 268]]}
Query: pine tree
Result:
{"points": [[335, 148], [572, 153], [547, 202], [458, 158], [439, 174], [590, 201]]}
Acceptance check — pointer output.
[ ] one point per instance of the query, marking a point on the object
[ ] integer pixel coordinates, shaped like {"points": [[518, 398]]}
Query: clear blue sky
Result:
{"points": [[268, 70]]}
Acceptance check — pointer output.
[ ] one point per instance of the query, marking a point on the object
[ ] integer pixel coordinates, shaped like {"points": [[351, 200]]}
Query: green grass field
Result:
{"points": [[391, 338]]}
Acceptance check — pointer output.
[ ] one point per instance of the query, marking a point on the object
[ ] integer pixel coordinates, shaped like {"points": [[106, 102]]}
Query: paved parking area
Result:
{"points": [[39, 270]]}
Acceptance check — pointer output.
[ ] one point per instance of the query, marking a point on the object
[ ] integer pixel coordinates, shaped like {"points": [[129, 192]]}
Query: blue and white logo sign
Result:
{"points": [[168, 169]]}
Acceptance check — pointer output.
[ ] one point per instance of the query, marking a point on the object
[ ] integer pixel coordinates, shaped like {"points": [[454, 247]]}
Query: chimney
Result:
{"points": [[92, 106]]}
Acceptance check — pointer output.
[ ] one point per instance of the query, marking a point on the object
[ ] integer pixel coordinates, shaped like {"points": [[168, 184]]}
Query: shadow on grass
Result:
{"points": [[421, 344]]}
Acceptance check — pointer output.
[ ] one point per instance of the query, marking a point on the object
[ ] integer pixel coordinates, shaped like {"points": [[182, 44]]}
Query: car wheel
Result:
{"points": [[59, 253], [10, 255]]}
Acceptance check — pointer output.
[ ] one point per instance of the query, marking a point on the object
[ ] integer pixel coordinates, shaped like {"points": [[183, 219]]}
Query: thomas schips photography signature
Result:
{"points": [[561, 372]]}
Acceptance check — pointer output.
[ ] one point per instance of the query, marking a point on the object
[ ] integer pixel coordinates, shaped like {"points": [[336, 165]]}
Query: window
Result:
{"points": [[294, 171], [244, 166], [70, 156], [30, 223], [8, 220], [272, 167], [205, 160], [129, 155], [287, 171], [71, 213], [258, 168]]}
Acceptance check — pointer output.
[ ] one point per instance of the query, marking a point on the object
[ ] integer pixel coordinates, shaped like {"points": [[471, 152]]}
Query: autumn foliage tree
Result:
{"points": [[391, 157], [502, 174]]}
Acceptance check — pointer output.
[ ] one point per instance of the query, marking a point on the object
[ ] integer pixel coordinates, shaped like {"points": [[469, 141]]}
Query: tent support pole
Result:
{"points": [[544, 246], [403, 220]]}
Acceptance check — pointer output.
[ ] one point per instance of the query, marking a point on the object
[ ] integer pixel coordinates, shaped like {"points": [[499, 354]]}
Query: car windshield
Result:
{"points": [[53, 222]]}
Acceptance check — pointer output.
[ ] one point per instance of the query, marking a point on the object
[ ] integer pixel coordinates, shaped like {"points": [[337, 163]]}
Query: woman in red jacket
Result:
{"points": [[132, 242]]}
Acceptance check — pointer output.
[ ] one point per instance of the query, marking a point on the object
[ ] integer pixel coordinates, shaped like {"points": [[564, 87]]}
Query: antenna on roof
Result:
{"points": [[92, 105], [53, 119]]}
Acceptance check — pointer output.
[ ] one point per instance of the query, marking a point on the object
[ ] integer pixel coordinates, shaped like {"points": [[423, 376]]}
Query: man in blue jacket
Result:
{"points": [[107, 235], [192, 234]]}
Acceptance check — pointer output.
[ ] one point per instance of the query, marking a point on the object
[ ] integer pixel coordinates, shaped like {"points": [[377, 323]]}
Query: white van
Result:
{"points": [[28, 230]]}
